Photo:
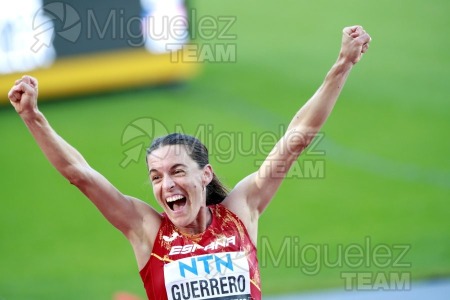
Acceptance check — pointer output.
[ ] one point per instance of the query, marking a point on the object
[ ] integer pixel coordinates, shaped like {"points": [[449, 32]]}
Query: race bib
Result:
{"points": [[223, 276]]}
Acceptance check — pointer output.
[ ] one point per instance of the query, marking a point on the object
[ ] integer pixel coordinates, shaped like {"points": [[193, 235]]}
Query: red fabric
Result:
{"points": [[225, 226]]}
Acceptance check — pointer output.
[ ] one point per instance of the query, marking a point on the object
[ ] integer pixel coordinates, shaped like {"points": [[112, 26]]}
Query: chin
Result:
{"points": [[181, 223], [179, 220]]}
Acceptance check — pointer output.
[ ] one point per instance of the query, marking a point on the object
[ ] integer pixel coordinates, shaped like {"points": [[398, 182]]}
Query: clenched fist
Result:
{"points": [[355, 42], [23, 95]]}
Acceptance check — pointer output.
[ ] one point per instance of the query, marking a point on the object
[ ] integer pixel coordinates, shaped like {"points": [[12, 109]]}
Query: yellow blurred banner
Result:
{"points": [[106, 71]]}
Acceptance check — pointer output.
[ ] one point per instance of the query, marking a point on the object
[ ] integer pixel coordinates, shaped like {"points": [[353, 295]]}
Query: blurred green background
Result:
{"points": [[386, 145]]}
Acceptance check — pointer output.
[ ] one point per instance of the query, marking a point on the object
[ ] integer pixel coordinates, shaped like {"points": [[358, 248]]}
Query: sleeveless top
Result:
{"points": [[219, 263]]}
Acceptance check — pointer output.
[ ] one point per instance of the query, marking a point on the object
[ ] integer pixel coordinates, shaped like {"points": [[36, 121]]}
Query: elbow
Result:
{"points": [[300, 138]]}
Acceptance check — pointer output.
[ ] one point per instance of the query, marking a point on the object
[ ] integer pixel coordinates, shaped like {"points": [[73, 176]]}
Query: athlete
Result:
{"points": [[203, 245]]}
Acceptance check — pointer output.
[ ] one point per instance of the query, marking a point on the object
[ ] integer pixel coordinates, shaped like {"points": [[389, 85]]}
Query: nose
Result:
{"points": [[168, 183]]}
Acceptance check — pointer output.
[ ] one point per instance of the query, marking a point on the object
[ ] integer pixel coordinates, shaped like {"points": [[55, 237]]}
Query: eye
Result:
{"points": [[155, 178], [179, 172]]}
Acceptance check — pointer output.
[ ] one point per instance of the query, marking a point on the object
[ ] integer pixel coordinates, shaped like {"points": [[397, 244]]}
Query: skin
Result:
{"points": [[173, 172]]}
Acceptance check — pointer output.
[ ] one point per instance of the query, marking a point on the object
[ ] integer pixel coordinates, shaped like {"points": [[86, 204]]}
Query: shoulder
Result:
{"points": [[240, 200], [237, 203], [142, 238], [223, 213]]}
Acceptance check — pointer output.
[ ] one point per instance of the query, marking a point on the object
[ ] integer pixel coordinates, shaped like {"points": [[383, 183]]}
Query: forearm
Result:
{"points": [[314, 113], [61, 155]]}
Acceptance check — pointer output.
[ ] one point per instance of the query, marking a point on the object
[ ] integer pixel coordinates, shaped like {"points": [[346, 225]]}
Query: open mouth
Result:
{"points": [[176, 202]]}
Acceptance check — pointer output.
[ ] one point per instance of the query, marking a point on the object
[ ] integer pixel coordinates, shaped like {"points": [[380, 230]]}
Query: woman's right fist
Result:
{"points": [[23, 95]]}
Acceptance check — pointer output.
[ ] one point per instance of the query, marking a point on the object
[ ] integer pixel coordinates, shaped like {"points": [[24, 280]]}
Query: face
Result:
{"points": [[178, 184]]}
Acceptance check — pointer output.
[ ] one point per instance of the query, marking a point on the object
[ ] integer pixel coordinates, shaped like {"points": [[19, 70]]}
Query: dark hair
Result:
{"points": [[215, 190]]}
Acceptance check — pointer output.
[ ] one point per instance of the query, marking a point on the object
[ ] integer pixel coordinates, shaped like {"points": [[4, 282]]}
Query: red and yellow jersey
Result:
{"points": [[219, 263]]}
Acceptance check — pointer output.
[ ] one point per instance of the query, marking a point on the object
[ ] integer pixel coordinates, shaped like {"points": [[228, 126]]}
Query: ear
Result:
{"points": [[208, 174]]}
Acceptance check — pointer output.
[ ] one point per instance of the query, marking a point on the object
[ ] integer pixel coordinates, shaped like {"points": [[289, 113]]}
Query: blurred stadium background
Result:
{"points": [[379, 173]]}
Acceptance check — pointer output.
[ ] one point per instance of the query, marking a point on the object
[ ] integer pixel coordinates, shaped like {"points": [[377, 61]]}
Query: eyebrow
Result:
{"points": [[171, 168]]}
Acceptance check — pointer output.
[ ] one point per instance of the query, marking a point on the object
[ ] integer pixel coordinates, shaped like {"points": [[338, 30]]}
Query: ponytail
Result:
{"points": [[215, 191]]}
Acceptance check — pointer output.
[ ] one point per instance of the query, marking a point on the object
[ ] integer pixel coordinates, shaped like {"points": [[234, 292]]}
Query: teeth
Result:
{"points": [[174, 198]]}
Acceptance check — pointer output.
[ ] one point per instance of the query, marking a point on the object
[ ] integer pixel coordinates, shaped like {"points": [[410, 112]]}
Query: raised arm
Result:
{"points": [[258, 188], [124, 212]]}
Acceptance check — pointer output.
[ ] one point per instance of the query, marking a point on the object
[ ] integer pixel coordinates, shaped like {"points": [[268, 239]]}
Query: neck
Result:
{"points": [[203, 220]]}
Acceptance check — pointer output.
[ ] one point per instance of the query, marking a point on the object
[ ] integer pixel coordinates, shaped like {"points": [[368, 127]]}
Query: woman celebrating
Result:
{"points": [[203, 245]]}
